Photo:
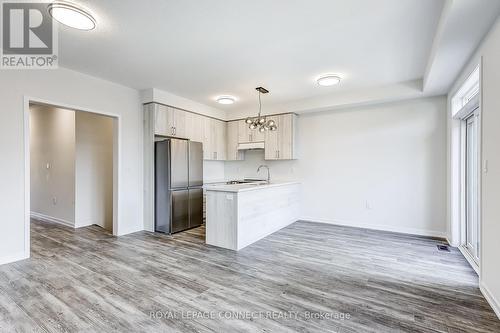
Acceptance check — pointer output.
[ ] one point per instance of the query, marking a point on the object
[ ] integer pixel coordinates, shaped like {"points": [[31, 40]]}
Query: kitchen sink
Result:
{"points": [[246, 182]]}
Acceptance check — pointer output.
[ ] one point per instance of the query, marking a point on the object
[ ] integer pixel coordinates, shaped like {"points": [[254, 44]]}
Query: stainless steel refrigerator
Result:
{"points": [[178, 185]]}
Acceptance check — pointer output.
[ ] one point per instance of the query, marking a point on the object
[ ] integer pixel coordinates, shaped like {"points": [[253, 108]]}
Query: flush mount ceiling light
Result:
{"points": [[260, 122], [328, 80], [71, 16], [226, 100]]}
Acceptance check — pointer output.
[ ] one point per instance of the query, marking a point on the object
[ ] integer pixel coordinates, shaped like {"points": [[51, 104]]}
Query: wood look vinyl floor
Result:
{"points": [[303, 278]]}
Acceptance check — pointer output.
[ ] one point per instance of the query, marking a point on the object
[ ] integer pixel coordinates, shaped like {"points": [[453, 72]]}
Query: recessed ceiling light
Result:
{"points": [[226, 100], [72, 16], [328, 80]]}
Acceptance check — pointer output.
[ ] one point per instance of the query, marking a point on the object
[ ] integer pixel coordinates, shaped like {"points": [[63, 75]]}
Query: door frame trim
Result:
{"points": [[117, 126], [456, 168]]}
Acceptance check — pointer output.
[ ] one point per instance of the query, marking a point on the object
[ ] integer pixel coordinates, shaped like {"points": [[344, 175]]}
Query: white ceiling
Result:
{"points": [[462, 26], [201, 49]]}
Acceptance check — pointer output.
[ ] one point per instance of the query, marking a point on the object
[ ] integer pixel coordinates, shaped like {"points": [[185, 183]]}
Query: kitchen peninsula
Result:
{"points": [[241, 214]]}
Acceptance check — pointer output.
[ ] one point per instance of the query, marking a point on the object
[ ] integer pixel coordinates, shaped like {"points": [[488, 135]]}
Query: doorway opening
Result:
{"points": [[72, 167]]}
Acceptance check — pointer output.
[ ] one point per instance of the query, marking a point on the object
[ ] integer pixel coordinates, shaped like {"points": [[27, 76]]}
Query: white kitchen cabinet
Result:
{"points": [[179, 123], [245, 134], [164, 120], [233, 154], [281, 144], [194, 126], [208, 139], [170, 121], [214, 142], [221, 139]]}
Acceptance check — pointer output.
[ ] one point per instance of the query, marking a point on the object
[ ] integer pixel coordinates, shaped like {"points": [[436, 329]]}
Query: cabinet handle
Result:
{"points": [[278, 154], [175, 130], [250, 137]]}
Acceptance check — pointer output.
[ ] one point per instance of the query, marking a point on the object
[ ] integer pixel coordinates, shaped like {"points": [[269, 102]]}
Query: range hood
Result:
{"points": [[251, 146]]}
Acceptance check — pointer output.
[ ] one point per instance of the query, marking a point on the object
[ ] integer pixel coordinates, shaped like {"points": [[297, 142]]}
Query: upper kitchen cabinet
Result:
{"points": [[214, 139], [194, 126], [221, 139], [209, 139], [180, 123], [170, 121], [245, 134], [232, 152], [280, 144], [164, 120]]}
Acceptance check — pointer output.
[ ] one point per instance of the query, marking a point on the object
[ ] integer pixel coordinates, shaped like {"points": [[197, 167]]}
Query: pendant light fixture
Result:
{"points": [[260, 122]]}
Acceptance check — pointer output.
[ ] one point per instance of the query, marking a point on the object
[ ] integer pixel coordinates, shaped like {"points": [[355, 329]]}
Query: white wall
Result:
{"points": [[94, 170], [69, 89], [213, 171], [280, 170], [392, 156], [52, 148], [489, 52]]}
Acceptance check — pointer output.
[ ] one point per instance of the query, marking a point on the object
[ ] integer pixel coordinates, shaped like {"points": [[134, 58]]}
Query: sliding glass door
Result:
{"points": [[472, 234]]}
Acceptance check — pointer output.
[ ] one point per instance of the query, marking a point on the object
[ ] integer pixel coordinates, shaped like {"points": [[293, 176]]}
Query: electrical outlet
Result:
{"points": [[47, 166], [54, 200]]}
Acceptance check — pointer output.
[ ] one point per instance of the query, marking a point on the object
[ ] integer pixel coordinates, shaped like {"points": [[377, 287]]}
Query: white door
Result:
{"points": [[471, 191]]}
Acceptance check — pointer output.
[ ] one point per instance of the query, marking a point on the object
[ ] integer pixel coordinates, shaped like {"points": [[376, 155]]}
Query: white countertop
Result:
{"points": [[246, 187]]}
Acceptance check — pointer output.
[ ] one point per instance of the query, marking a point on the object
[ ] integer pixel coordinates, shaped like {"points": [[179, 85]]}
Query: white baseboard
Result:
{"points": [[127, 231], [81, 224], [46, 218], [402, 230], [495, 305], [12, 258]]}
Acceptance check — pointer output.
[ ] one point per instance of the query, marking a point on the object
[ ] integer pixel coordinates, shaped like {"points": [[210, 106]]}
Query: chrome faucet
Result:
{"points": [[268, 172]]}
